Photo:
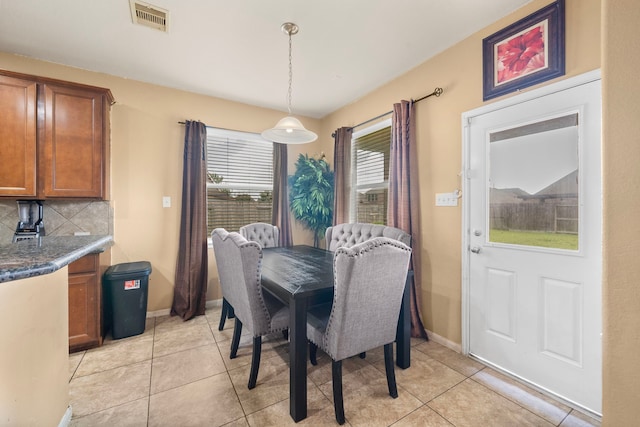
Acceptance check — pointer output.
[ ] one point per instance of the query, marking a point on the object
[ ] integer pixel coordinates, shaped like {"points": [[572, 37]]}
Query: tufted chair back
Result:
{"points": [[266, 235], [369, 283], [240, 268], [347, 235]]}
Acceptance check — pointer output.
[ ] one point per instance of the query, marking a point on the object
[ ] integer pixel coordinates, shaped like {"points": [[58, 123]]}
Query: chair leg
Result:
{"points": [[255, 361], [388, 366], [235, 341], [336, 379], [363, 355], [223, 315], [285, 334], [231, 314], [313, 351]]}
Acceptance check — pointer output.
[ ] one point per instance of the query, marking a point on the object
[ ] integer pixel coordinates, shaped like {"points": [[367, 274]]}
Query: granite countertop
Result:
{"points": [[34, 257]]}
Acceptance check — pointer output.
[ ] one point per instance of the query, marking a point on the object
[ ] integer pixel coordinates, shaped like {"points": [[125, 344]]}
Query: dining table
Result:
{"points": [[302, 276]]}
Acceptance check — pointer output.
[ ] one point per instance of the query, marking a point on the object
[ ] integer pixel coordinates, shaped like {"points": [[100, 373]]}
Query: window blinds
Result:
{"points": [[239, 179], [370, 158]]}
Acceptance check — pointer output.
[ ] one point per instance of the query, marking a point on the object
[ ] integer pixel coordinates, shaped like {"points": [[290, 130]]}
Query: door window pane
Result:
{"points": [[533, 184]]}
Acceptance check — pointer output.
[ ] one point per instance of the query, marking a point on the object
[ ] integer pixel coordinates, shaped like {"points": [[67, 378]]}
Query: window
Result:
{"points": [[239, 179], [370, 165]]}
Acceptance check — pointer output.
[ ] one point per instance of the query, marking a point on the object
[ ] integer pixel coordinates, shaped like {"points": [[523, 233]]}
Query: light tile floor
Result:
{"points": [[179, 374]]}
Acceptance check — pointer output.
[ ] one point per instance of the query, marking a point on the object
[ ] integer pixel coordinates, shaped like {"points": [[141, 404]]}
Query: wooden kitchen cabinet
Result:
{"points": [[55, 135], [71, 152], [85, 304], [17, 137]]}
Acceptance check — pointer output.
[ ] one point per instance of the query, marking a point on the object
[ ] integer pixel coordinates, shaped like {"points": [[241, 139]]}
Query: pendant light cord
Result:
{"points": [[290, 76], [289, 130]]}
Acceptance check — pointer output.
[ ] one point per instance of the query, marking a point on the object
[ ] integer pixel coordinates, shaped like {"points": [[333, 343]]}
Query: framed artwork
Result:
{"points": [[525, 53]]}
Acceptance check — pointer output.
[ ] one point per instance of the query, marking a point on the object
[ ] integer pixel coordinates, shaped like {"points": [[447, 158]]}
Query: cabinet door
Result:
{"points": [[17, 137], [72, 149], [84, 304], [83, 311]]}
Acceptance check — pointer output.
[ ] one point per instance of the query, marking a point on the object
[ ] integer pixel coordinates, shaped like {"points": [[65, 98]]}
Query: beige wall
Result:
{"points": [[34, 367], [621, 176], [458, 71]]}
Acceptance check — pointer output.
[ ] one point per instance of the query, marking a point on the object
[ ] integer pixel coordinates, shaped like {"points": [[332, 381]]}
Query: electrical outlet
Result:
{"points": [[166, 201], [447, 199]]}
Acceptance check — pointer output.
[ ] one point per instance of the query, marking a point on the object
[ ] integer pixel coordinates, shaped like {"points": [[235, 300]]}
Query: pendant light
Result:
{"points": [[289, 130]]}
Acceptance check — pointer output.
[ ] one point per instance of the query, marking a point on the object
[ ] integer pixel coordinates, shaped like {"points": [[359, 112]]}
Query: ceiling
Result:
{"points": [[235, 49]]}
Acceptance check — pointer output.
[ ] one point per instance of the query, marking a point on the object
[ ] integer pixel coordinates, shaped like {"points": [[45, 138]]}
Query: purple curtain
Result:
{"points": [[280, 214], [190, 291], [342, 175], [404, 201]]}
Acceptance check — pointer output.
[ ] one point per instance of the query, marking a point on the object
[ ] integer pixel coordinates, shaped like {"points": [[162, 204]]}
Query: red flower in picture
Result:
{"points": [[521, 55]]}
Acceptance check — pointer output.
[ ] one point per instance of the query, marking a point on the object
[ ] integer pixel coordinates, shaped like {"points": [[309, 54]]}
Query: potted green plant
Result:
{"points": [[311, 195]]}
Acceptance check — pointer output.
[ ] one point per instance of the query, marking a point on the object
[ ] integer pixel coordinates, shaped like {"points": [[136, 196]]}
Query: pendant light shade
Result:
{"points": [[289, 130]]}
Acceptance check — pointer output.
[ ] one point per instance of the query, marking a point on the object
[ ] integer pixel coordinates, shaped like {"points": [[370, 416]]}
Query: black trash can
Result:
{"points": [[125, 289]]}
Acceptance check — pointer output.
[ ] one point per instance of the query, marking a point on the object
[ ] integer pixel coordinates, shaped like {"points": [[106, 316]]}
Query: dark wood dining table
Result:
{"points": [[302, 276]]}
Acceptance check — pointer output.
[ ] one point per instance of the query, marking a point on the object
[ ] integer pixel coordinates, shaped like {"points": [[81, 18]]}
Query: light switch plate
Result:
{"points": [[447, 199], [166, 201]]}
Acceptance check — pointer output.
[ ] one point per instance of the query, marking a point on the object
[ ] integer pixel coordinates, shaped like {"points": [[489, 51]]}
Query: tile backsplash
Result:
{"points": [[62, 218]]}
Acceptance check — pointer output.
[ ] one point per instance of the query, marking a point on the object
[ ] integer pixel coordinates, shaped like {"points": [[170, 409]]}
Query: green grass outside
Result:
{"points": [[533, 238]]}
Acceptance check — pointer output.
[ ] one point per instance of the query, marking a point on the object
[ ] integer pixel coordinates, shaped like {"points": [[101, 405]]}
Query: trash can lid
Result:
{"points": [[128, 269]]}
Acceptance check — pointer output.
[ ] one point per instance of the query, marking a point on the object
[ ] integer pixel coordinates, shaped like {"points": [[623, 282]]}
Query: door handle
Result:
{"points": [[475, 249]]}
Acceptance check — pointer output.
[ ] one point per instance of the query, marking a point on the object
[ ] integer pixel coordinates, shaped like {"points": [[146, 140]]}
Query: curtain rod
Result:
{"points": [[225, 129], [436, 92], [215, 127]]}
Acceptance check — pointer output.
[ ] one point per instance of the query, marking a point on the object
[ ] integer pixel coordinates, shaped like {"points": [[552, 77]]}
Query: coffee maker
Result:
{"points": [[30, 225]]}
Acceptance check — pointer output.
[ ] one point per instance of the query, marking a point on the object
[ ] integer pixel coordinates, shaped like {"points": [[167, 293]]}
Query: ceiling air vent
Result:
{"points": [[149, 15]]}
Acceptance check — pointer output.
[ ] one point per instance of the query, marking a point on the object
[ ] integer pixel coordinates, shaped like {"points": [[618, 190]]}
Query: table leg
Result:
{"points": [[298, 359], [403, 332]]}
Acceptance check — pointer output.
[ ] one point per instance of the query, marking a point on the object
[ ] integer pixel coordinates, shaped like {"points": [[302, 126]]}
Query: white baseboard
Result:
{"points": [[66, 418], [445, 342], [213, 303]]}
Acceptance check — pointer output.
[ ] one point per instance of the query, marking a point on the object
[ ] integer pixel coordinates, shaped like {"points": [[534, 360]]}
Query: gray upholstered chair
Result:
{"points": [[268, 236], [369, 283], [240, 272], [349, 234]]}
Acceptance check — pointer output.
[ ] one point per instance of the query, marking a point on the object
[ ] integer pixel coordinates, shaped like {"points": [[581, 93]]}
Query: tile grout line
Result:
{"points": [[153, 345], [226, 369], [447, 390], [513, 401], [565, 417], [84, 352], [508, 397]]}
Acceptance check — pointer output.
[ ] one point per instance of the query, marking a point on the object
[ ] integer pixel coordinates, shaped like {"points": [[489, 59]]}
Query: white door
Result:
{"points": [[534, 240]]}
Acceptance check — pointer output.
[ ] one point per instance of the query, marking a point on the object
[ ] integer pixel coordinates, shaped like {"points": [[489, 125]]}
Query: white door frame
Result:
{"points": [[467, 117]]}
